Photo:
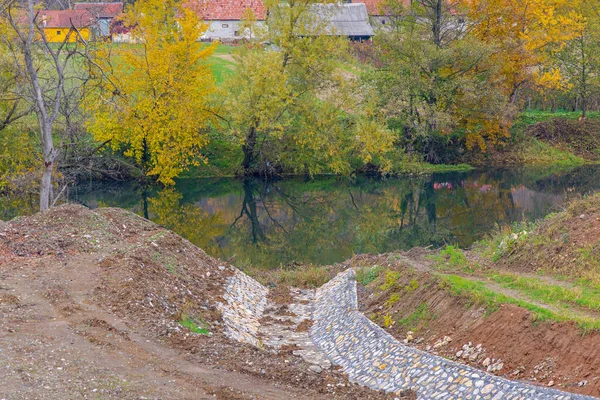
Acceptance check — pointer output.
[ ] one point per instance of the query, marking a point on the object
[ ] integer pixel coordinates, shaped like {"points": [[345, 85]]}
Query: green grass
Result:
{"points": [[533, 152], [534, 116], [453, 255], [536, 152], [583, 296], [478, 293], [222, 69], [423, 168], [503, 239], [224, 49], [193, 326], [452, 258], [366, 275], [421, 315]]}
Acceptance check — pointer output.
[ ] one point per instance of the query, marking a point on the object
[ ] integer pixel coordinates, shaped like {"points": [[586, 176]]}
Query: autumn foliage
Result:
{"points": [[152, 97], [440, 79]]}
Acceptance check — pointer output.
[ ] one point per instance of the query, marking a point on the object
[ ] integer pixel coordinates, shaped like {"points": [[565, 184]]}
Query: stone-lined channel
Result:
{"points": [[366, 353]]}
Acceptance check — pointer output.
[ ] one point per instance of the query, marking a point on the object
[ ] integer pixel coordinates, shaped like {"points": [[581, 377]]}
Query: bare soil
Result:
{"points": [[91, 304]]}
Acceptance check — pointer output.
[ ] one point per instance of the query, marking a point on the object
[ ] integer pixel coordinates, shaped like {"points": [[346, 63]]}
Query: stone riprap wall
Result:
{"points": [[372, 357], [245, 303]]}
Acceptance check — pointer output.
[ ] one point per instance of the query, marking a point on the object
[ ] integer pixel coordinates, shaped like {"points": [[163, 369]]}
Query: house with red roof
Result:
{"points": [[225, 16], [377, 11], [66, 25]]}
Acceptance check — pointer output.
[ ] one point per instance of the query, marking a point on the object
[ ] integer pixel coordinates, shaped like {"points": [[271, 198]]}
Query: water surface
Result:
{"points": [[327, 220]]}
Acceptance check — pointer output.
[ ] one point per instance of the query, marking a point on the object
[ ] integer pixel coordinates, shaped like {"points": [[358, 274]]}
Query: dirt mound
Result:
{"points": [[567, 243], [106, 304], [413, 302], [579, 137]]}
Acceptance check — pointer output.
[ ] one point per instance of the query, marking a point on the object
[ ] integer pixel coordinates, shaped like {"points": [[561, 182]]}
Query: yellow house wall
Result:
{"points": [[58, 35]]}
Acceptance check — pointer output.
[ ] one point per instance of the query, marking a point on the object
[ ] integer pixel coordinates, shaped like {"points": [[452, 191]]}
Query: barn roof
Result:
{"points": [[66, 18], [347, 19], [101, 10], [227, 9]]}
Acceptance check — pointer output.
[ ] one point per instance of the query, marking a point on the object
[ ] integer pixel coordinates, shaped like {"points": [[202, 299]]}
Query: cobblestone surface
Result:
{"points": [[371, 357], [245, 302], [281, 328]]}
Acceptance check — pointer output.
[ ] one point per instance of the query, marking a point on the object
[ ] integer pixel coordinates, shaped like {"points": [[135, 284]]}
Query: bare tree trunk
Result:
{"points": [[46, 112], [249, 151], [49, 158], [45, 120]]}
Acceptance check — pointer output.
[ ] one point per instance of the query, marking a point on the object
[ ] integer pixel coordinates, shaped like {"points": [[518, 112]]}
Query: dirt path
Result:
{"points": [[421, 265], [95, 304], [53, 337]]}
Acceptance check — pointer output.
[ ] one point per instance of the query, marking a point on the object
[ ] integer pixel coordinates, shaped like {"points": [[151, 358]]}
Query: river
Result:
{"points": [[327, 220]]}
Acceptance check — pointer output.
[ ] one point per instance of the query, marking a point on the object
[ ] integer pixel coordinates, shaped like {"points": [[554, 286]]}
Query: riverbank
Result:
{"points": [[558, 140], [107, 304], [112, 284], [522, 304]]}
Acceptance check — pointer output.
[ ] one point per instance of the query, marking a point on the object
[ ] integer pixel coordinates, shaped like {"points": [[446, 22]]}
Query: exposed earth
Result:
{"points": [[93, 305], [105, 304], [520, 305]]}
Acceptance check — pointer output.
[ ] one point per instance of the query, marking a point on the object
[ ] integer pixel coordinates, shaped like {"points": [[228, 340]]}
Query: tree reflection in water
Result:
{"points": [[326, 220]]}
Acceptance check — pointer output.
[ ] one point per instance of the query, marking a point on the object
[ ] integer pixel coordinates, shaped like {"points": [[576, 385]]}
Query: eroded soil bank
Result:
{"points": [[523, 304]]}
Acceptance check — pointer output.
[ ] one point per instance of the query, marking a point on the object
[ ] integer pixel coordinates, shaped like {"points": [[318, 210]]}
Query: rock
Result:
{"points": [[442, 342], [582, 383], [316, 369], [582, 216], [486, 362], [459, 354], [551, 383]]}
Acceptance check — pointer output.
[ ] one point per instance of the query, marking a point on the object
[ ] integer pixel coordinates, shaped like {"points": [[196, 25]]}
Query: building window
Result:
{"points": [[58, 33], [225, 26], [383, 22], [236, 33]]}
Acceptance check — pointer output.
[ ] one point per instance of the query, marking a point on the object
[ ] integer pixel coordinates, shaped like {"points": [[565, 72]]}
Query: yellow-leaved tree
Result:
{"points": [[522, 31], [152, 96]]}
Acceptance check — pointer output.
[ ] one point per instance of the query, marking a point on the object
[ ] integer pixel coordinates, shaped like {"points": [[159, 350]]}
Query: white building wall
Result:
{"points": [[225, 30]]}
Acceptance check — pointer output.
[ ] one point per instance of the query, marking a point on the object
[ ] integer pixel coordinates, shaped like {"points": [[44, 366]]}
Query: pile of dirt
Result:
{"points": [[408, 298], [580, 137], [95, 303], [567, 243]]}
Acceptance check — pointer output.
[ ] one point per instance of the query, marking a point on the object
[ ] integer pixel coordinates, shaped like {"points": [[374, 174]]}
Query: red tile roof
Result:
{"points": [[227, 9], [101, 10], [65, 18], [375, 7]]}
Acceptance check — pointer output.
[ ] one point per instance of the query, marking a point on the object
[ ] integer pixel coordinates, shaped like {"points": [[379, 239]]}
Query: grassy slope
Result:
{"points": [[553, 263], [533, 152]]}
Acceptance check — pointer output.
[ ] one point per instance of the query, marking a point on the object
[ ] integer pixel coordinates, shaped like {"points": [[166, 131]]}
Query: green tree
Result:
{"points": [[436, 79], [152, 97], [289, 105], [579, 59]]}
